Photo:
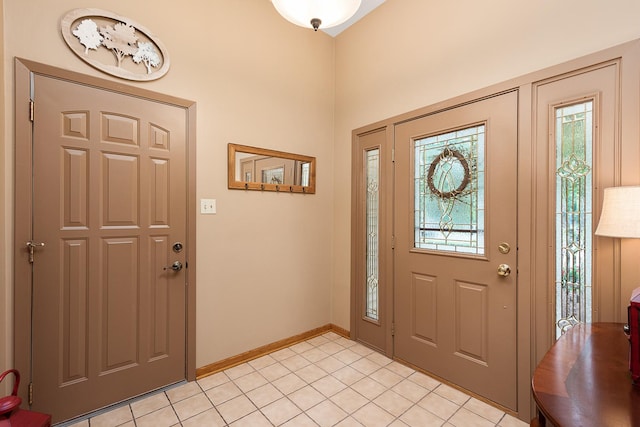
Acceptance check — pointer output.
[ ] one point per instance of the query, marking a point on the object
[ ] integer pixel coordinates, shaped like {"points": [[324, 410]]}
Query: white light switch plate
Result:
{"points": [[208, 206]]}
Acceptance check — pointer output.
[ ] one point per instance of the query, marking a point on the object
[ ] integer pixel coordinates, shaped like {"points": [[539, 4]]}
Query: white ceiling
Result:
{"points": [[365, 7]]}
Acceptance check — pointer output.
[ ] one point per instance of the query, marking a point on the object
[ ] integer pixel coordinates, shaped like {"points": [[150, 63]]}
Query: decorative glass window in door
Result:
{"points": [[573, 219], [449, 179], [372, 161]]}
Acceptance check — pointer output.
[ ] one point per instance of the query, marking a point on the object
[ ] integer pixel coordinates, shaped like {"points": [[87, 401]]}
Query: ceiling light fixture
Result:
{"points": [[313, 13]]}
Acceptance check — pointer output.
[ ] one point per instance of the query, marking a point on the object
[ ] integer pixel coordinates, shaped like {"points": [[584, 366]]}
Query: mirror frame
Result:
{"points": [[234, 184]]}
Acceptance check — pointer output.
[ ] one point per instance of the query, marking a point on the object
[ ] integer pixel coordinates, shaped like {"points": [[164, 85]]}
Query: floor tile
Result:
{"points": [[484, 410], [510, 421], [330, 364], [417, 416], [347, 356], [223, 393], [371, 415], [331, 348], [275, 371], [326, 414], [250, 381], [439, 405], [348, 375], [239, 371], [262, 362], [236, 408], [393, 403], [212, 381], [410, 390], [400, 369], [301, 347], [328, 386], [349, 400], [295, 362], [209, 418], [192, 406], [424, 380], [311, 373], [365, 366], [289, 383], [164, 417], [465, 418], [301, 420], [452, 394], [113, 418], [306, 397], [349, 422], [264, 395], [314, 355], [386, 377], [368, 388], [181, 392], [254, 419], [149, 404], [281, 411], [324, 381]]}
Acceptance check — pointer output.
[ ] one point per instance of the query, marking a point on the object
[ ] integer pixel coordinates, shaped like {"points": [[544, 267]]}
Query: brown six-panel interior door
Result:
{"points": [[455, 316], [109, 203]]}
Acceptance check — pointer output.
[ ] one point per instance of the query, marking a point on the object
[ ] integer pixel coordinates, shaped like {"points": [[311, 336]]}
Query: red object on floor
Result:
{"points": [[24, 418]]}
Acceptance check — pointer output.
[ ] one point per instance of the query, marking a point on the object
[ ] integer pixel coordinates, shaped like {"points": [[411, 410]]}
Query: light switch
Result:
{"points": [[208, 206]]}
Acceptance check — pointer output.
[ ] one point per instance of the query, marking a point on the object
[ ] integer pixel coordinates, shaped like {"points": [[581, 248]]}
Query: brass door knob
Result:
{"points": [[504, 270]]}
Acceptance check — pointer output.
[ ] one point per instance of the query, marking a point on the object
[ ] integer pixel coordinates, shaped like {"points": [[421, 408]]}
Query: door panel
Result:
{"points": [[455, 315], [109, 201]]}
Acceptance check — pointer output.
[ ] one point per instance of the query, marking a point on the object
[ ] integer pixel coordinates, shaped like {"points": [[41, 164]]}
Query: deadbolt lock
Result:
{"points": [[504, 248]]}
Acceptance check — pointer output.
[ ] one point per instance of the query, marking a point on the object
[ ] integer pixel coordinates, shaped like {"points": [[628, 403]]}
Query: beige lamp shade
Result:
{"points": [[323, 13], [620, 215]]}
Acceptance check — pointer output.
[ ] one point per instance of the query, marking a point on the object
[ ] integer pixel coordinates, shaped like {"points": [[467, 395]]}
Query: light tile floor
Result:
{"points": [[324, 381]]}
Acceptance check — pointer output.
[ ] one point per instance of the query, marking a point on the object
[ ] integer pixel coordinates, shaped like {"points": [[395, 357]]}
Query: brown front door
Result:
{"points": [[109, 205], [455, 213]]}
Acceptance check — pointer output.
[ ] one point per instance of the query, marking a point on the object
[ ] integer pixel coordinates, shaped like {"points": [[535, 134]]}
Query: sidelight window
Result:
{"points": [[373, 231], [574, 129]]}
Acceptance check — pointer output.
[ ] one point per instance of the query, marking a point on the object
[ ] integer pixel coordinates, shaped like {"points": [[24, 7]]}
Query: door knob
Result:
{"points": [[504, 270], [176, 266]]}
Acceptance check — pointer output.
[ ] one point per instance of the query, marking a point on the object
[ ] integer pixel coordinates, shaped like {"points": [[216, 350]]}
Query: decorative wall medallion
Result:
{"points": [[114, 44]]}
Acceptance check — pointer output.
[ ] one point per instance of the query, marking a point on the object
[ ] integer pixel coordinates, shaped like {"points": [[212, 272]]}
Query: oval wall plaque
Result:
{"points": [[114, 44]]}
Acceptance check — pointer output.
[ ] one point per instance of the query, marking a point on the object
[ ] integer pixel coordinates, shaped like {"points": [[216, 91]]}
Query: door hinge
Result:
{"points": [[393, 242], [32, 107], [30, 394], [393, 329], [393, 155]]}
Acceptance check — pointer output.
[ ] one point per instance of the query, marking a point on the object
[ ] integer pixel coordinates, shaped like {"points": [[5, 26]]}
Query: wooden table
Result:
{"points": [[584, 380]]}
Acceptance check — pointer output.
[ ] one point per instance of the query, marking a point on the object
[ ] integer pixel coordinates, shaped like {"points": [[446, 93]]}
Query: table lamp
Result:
{"points": [[620, 215], [620, 218]]}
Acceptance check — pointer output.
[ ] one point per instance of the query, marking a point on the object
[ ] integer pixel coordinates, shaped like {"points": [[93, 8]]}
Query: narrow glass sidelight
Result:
{"points": [[372, 161], [574, 130], [449, 177]]}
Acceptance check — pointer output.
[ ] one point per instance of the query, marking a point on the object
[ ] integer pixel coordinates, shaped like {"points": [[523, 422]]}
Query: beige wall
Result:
{"points": [[273, 265], [409, 54], [264, 261]]}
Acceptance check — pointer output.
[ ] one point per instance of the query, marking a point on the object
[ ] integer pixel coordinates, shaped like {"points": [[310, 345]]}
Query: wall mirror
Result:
{"points": [[252, 168]]}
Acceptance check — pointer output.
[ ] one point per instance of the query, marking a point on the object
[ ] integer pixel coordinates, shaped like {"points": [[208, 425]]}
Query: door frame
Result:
{"points": [[22, 293], [533, 299]]}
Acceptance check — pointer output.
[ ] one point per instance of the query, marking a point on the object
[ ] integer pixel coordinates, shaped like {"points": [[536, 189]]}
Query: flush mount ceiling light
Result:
{"points": [[314, 13]]}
